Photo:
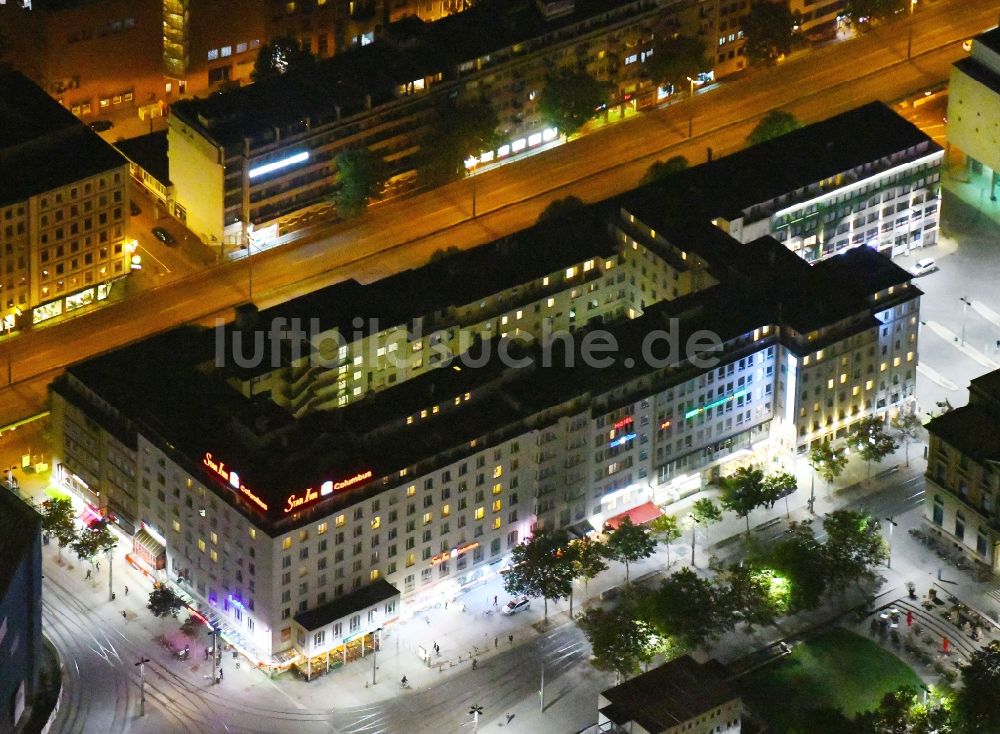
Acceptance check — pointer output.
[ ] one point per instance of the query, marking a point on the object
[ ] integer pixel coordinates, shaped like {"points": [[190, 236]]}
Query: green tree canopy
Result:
{"points": [[675, 59], [768, 28], [363, 175], [703, 512], [778, 485], [59, 521], [687, 608], [163, 602], [620, 640], [570, 99], [744, 492], [629, 543], [280, 56], [862, 11], [902, 712], [907, 427], [559, 208], [757, 595], [666, 529], [587, 558], [854, 546], [541, 566], [827, 461], [976, 704], [773, 125], [93, 541], [462, 130], [801, 559], [661, 170], [869, 438]]}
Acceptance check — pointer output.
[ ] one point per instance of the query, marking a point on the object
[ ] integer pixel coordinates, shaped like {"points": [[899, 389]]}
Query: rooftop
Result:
{"points": [[972, 429], [20, 527], [978, 71], [149, 152], [35, 131], [346, 605], [671, 694], [990, 39]]}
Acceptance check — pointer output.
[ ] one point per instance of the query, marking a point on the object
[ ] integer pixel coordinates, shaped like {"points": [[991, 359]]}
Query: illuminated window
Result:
{"points": [[423, 413], [213, 54], [869, 384], [843, 377], [497, 472], [856, 390], [253, 533], [829, 384], [357, 360], [883, 367], [286, 543], [519, 314], [545, 280], [339, 522], [445, 511], [374, 574], [497, 504], [909, 356], [376, 522], [497, 488], [411, 558], [411, 490], [214, 538], [551, 302], [895, 362], [409, 420], [480, 513], [226, 51], [201, 545], [436, 409], [322, 528], [570, 272], [496, 523], [177, 527], [468, 396], [214, 555], [588, 266], [427, 518], [303, 535]]}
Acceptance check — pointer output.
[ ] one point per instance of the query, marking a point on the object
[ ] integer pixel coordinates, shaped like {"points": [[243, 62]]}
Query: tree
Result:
{"points": [[755, 594], [541, 566], [869, 438], [703, 512], [768, 28], [666, 529], [801, 559], [828, 462], [363, 175], [862, 11], [661, 170], [976, 706], [854, 546], [280, 56], [588, 559], [773, 125], [163, 602], [571, 99], [744, 492], [901, 712], [675, 59], [461, 131], [687, 608], [629, 543], [907, 427], [58, 520], [559, 208], [93, 541], [779, 485], [620, 641]]}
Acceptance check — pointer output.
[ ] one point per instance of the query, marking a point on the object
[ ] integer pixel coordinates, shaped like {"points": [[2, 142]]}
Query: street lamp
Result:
{"points": [[375, 647], [691, 106], [475, 712], [8, 326], [142, 685], [892, 524], [909, 41], [965, 309]]}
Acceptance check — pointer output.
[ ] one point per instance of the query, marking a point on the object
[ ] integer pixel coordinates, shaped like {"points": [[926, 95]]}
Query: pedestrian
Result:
{"points": [[113, 596], [206, 653], [496, 642], [494, 600], [475, 663], [88, 574], [98, 564], [510, 639], [446, 605], [126, 591], [435, 646], [124, 615], [220, 673]]}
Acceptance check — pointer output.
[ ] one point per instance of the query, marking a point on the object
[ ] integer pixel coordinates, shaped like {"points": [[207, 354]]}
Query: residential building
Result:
{"points": [[286, 462], [963, 474], [64, 203], [677, 697], [20, 608], [864, 177], [974, 106], [719, 25], [817, 18], [147, 165], [258, 155]]}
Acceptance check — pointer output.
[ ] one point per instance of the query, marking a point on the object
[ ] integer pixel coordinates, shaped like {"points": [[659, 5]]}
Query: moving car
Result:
{"points": [[923, 267], [516, 605], [100, 126], [163, 236]]}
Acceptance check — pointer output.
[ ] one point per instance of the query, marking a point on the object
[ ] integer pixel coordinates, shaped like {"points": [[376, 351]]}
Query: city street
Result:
{"points": [[403, 233]]}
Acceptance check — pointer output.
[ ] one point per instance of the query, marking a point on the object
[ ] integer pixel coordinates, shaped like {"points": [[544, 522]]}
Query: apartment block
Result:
{"points": [[962, 477], [64, 205]]}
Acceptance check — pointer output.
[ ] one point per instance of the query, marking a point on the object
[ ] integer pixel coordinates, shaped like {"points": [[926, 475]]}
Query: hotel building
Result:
{"points": [[302, 528], [64, 203]]}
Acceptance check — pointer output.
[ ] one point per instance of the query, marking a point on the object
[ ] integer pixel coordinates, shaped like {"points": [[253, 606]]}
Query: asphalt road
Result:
{"points": [[404, 233]]}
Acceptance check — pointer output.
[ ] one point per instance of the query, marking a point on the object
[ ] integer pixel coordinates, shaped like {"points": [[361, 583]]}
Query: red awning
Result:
{"points": [[638, 515]]}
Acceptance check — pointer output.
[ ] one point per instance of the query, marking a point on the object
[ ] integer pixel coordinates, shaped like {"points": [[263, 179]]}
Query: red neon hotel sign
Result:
{"points": [[233, 479], [295, 501]]}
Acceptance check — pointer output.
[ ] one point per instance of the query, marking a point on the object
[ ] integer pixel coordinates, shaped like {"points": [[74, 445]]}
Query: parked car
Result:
{"points": [[516, 605], [134, 209], [923, 267], [163, 236], [100, 126]]}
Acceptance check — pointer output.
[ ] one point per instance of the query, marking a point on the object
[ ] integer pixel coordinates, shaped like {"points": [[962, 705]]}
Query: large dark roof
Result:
{"points": [[19, 529], [971, 429], [149, 152], [980, 73], [990, 39], [671, 694], [42, 145], [344, 606], [805, 156]]}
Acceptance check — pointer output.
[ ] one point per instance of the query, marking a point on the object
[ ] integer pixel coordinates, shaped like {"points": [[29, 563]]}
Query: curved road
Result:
{"points": [[404, 233]]}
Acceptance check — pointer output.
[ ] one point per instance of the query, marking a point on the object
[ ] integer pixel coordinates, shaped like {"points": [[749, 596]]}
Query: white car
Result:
{"points": [[923, 267], [516, 605]]}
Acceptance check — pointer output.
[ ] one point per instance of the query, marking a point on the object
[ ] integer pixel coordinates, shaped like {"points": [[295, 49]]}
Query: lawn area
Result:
{"points": [[838, 670]]}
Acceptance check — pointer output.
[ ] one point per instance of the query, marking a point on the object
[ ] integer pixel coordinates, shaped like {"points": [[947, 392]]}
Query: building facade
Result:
{"points": [[962, 474], [974, 107], [62, 228]]}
